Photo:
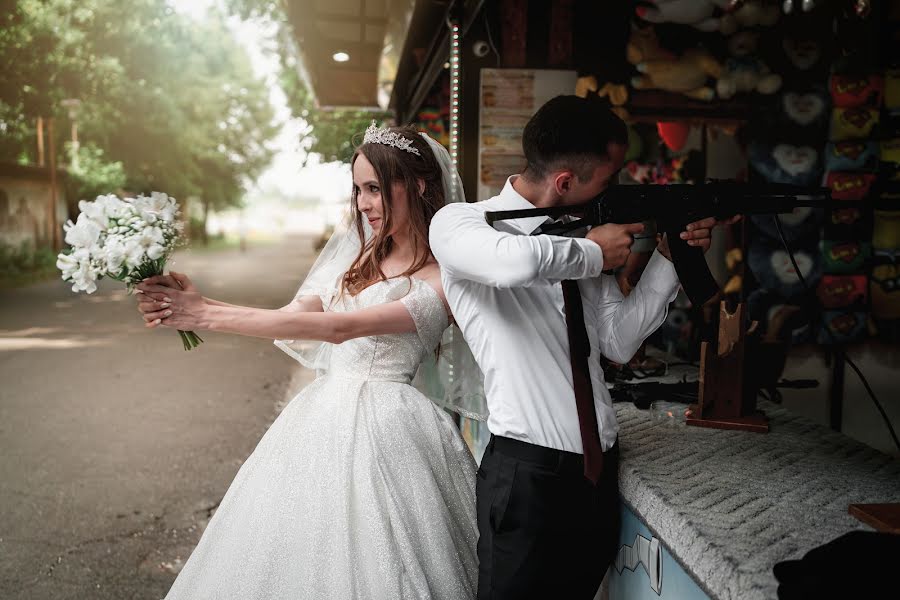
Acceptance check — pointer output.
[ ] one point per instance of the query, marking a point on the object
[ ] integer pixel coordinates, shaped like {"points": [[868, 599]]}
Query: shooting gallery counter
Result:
{"points": [[709, 512]]}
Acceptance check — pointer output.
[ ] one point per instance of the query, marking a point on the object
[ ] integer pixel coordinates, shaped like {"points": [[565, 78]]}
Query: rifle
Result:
{"points": [[673, 207]]}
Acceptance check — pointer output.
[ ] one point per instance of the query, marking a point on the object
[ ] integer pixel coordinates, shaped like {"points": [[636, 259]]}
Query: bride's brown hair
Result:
{"points": [[393, 165]]}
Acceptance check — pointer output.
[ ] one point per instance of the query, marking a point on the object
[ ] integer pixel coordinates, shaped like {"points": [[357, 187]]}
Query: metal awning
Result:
{"points": [[350, 49]]}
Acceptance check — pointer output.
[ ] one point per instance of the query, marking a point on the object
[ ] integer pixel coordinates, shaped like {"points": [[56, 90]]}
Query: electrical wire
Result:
{"points": [[837, 346]]}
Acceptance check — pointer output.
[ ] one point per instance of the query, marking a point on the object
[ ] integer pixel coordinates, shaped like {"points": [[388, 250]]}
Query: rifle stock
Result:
{"points": [[673, 207]]}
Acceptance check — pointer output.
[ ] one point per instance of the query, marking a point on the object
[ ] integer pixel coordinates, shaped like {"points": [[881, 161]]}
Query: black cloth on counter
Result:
{"points": [[856, 563]]}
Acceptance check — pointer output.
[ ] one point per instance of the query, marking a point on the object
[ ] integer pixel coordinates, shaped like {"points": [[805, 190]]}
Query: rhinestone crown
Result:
{"points": [[381, 135]]}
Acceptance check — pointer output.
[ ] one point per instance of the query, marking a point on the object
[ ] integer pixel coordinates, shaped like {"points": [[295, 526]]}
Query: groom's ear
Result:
{"points": [[562, 182]]}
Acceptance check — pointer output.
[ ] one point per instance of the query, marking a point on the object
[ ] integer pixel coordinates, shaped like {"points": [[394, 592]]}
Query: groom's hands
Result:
{"points": [[698, 233], [615, 241]]}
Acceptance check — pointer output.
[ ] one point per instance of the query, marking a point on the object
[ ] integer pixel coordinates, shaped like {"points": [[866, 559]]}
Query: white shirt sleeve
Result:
{"points": [[468, 248], [623, 323]]}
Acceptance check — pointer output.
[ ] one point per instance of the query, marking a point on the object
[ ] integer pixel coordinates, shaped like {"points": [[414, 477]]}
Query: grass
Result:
{"points": [[26, 265]]}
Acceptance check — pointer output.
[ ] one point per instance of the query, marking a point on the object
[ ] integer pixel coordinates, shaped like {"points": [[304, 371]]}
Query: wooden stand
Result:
{"points": [[727, 400]]}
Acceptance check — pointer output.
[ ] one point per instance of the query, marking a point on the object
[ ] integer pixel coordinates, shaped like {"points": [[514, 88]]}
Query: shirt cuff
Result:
{"points": [[593, 258], [660, 277]]}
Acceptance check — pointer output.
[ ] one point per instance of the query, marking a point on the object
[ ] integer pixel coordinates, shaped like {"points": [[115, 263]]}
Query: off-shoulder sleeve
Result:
{"points": [[427, 312]]}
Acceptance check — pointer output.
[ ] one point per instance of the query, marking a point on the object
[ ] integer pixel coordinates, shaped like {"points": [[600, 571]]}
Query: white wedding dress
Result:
{"points": [[361, 489]]}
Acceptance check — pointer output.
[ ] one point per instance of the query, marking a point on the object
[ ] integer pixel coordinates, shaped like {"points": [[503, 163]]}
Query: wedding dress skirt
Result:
{"points": [[361, 488]]}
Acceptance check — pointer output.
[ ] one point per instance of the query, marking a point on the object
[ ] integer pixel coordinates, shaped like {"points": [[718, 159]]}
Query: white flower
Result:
{"points": [[114, 256], [155, 252], [85, 280], [84, 233], [134, 254], [67, 264]]}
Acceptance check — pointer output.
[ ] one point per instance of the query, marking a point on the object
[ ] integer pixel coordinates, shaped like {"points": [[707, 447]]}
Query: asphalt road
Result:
{"points": [[116, 444]]}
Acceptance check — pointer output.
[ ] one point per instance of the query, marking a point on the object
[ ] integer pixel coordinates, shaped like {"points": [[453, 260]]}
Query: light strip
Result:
{"points": [[454, 99]]}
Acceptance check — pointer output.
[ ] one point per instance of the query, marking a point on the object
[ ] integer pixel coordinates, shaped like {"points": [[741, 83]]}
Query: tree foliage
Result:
{"points": [[171, 100]]}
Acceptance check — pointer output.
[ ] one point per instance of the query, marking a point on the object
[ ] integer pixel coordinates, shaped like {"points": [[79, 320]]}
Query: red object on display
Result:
{"points": [[673, 134]]}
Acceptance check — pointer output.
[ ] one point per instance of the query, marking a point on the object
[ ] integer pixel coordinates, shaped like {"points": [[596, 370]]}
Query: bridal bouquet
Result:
{"points": [[127, 240]]}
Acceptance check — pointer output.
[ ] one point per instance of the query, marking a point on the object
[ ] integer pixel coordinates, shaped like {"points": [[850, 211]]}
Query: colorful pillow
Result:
{"points": [[785, 163], [845, 257], [772, 267], [852, 123], [852, 155], [841, 291], [845, 327], [849, 186], [849, 221], [848, 91]]}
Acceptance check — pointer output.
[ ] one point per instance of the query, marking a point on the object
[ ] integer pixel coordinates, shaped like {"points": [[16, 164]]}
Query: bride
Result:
{"points": [[362, 487]]}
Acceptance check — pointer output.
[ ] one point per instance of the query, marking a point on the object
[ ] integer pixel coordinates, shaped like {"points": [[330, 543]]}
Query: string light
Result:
{"points": [[454, 98]]}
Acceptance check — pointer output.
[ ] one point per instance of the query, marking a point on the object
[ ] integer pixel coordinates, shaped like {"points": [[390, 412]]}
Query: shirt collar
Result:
{"points": [[510, 199]]}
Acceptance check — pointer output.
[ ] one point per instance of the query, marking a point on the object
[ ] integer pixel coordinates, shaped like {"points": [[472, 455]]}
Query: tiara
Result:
{"points": [[376, 135]]}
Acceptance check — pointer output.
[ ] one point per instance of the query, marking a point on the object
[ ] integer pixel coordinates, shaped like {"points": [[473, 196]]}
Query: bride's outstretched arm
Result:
{"points": [[188, 311], [181, 282]]}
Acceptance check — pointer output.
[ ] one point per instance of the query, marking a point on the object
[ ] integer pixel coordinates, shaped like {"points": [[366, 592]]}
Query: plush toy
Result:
{"points": [[744, 71], [697, 13], [661, 69], [616, 94], [751, 13]]}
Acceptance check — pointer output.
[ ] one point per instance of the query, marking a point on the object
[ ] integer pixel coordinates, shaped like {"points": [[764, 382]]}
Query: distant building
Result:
{"points": [[25, 193]]}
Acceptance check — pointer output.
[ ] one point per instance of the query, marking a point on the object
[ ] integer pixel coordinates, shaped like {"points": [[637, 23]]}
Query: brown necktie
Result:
{"points": [[579, 350]]}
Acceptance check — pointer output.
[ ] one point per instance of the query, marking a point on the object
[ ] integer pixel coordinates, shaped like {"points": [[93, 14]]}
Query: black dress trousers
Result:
{"points": [[545, 530]]}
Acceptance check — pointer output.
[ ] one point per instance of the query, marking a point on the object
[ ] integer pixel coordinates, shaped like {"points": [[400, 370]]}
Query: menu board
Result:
{"points": [[508, 99]]}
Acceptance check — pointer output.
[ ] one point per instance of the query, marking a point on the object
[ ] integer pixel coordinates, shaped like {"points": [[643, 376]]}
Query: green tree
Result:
{"points": [[172, 100]]}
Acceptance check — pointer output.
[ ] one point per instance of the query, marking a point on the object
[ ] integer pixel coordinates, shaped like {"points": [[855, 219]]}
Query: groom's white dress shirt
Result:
{"points": [[503, 288]]}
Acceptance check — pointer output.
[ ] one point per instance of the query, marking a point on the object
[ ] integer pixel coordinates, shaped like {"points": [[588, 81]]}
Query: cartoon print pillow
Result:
{"points": [[845, 327], [849, 186], [845, 257], [773, 269], [849, 221], [800, 227], [771, 311], [852, 155], [786, 163], [852, 123], [848, 91], [805, 109], [841, 291]]}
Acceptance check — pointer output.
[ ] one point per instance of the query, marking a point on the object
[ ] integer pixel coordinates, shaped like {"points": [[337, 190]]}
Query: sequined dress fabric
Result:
{"points": [[361, 488]]}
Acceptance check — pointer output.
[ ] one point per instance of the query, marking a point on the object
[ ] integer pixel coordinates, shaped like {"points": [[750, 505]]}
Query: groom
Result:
{"points": [[538, 314]]}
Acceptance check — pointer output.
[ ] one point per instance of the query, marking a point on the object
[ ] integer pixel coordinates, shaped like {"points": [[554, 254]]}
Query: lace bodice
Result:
{"points": [[392, 357]]}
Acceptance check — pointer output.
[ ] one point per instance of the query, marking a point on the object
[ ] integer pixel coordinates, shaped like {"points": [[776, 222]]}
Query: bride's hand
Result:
{"points": [[185, 311], [156, 295]]}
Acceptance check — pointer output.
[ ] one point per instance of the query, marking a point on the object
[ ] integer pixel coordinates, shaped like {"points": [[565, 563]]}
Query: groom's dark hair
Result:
{"points": [[570, 132]]}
